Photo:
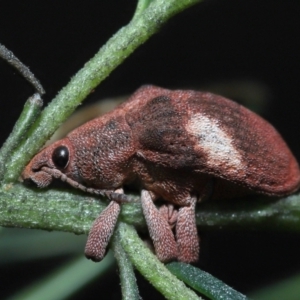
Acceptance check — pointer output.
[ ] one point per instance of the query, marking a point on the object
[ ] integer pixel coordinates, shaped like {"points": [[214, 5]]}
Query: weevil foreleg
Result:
{"points": [[102, 230], [159, 229]]}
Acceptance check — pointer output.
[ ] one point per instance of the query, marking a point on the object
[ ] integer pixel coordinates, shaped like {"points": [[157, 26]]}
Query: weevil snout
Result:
{"points": [[45, 165], [36, 176]]}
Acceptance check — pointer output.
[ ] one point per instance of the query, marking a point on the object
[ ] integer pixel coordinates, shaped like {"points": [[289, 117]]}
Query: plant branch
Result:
{"points": [[128, 281], [73, 211], [51, 209], [203, 282], [256, 212]]}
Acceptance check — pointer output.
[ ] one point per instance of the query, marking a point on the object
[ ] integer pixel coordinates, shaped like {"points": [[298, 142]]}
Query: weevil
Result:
{"points": [[178, 146]]}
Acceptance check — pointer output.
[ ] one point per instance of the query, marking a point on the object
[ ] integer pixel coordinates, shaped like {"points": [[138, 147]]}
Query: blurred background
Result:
{"points": [[248, 51]]}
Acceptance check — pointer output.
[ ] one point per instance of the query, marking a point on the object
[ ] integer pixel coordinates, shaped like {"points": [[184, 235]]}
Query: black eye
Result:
{"points": [[60, 157]]}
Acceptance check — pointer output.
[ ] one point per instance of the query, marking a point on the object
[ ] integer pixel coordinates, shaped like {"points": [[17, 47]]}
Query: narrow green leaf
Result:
{"points": [[31, 110], [66, 280], [204, 283], [128, 280]]}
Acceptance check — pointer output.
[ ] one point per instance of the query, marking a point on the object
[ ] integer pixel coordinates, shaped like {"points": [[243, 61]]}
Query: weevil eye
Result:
{"points": [[60, 157]]}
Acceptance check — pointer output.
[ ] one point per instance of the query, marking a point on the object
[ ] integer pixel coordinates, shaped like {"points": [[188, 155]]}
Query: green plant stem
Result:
{"points": [[8, 56], [257, 213], [141, 6], [112, 54], [72, 211], [128, 281], [61, 210], [203, 282], [31, 110], [151, 268]]}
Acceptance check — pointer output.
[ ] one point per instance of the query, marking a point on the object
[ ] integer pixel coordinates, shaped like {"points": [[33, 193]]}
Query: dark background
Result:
{"points": [[212, 43]]}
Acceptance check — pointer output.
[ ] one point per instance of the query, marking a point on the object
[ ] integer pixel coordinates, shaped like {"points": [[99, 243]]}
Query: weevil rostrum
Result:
{"points": [[178, 146]]}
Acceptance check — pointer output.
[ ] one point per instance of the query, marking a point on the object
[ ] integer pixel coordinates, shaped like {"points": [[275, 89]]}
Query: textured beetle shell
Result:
{"points": [[179, 146], [208, 134]]}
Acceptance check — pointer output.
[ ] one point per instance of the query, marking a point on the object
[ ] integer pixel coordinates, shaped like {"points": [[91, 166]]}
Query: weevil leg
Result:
{"points": [[102, 230], [169, 213], [186, 233], [159, 229]]}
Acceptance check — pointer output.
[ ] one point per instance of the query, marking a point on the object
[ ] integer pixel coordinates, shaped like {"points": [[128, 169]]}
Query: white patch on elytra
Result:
{"points": [[215, 142]]}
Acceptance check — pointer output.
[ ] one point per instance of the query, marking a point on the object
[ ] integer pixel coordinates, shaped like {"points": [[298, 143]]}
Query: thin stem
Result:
{"points": [[204, 283], [258, 213], [141, 6], [8, 56], [128, 280], [32, 109]]}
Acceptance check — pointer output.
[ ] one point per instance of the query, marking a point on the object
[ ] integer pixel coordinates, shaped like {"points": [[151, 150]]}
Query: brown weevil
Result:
{"points": [[177, 146]]}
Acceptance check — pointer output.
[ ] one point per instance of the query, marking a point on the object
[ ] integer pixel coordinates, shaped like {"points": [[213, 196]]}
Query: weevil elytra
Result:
{"points": [[177, 146]]}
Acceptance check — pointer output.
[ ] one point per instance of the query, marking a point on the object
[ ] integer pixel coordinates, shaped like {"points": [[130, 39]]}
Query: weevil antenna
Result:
{"points": [[110, 194]]}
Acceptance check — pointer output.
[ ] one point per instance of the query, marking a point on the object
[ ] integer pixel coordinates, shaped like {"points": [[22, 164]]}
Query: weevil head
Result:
{"points": [[51, 162], [97, 155]]}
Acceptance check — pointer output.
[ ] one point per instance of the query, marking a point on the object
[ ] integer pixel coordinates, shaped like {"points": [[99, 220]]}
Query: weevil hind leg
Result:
{"points": [[186, 233], [102, 230], [169, 213], [159, 229]]}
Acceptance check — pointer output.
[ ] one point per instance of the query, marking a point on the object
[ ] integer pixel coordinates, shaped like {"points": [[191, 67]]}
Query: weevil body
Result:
{"points": [[178, 146]]}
